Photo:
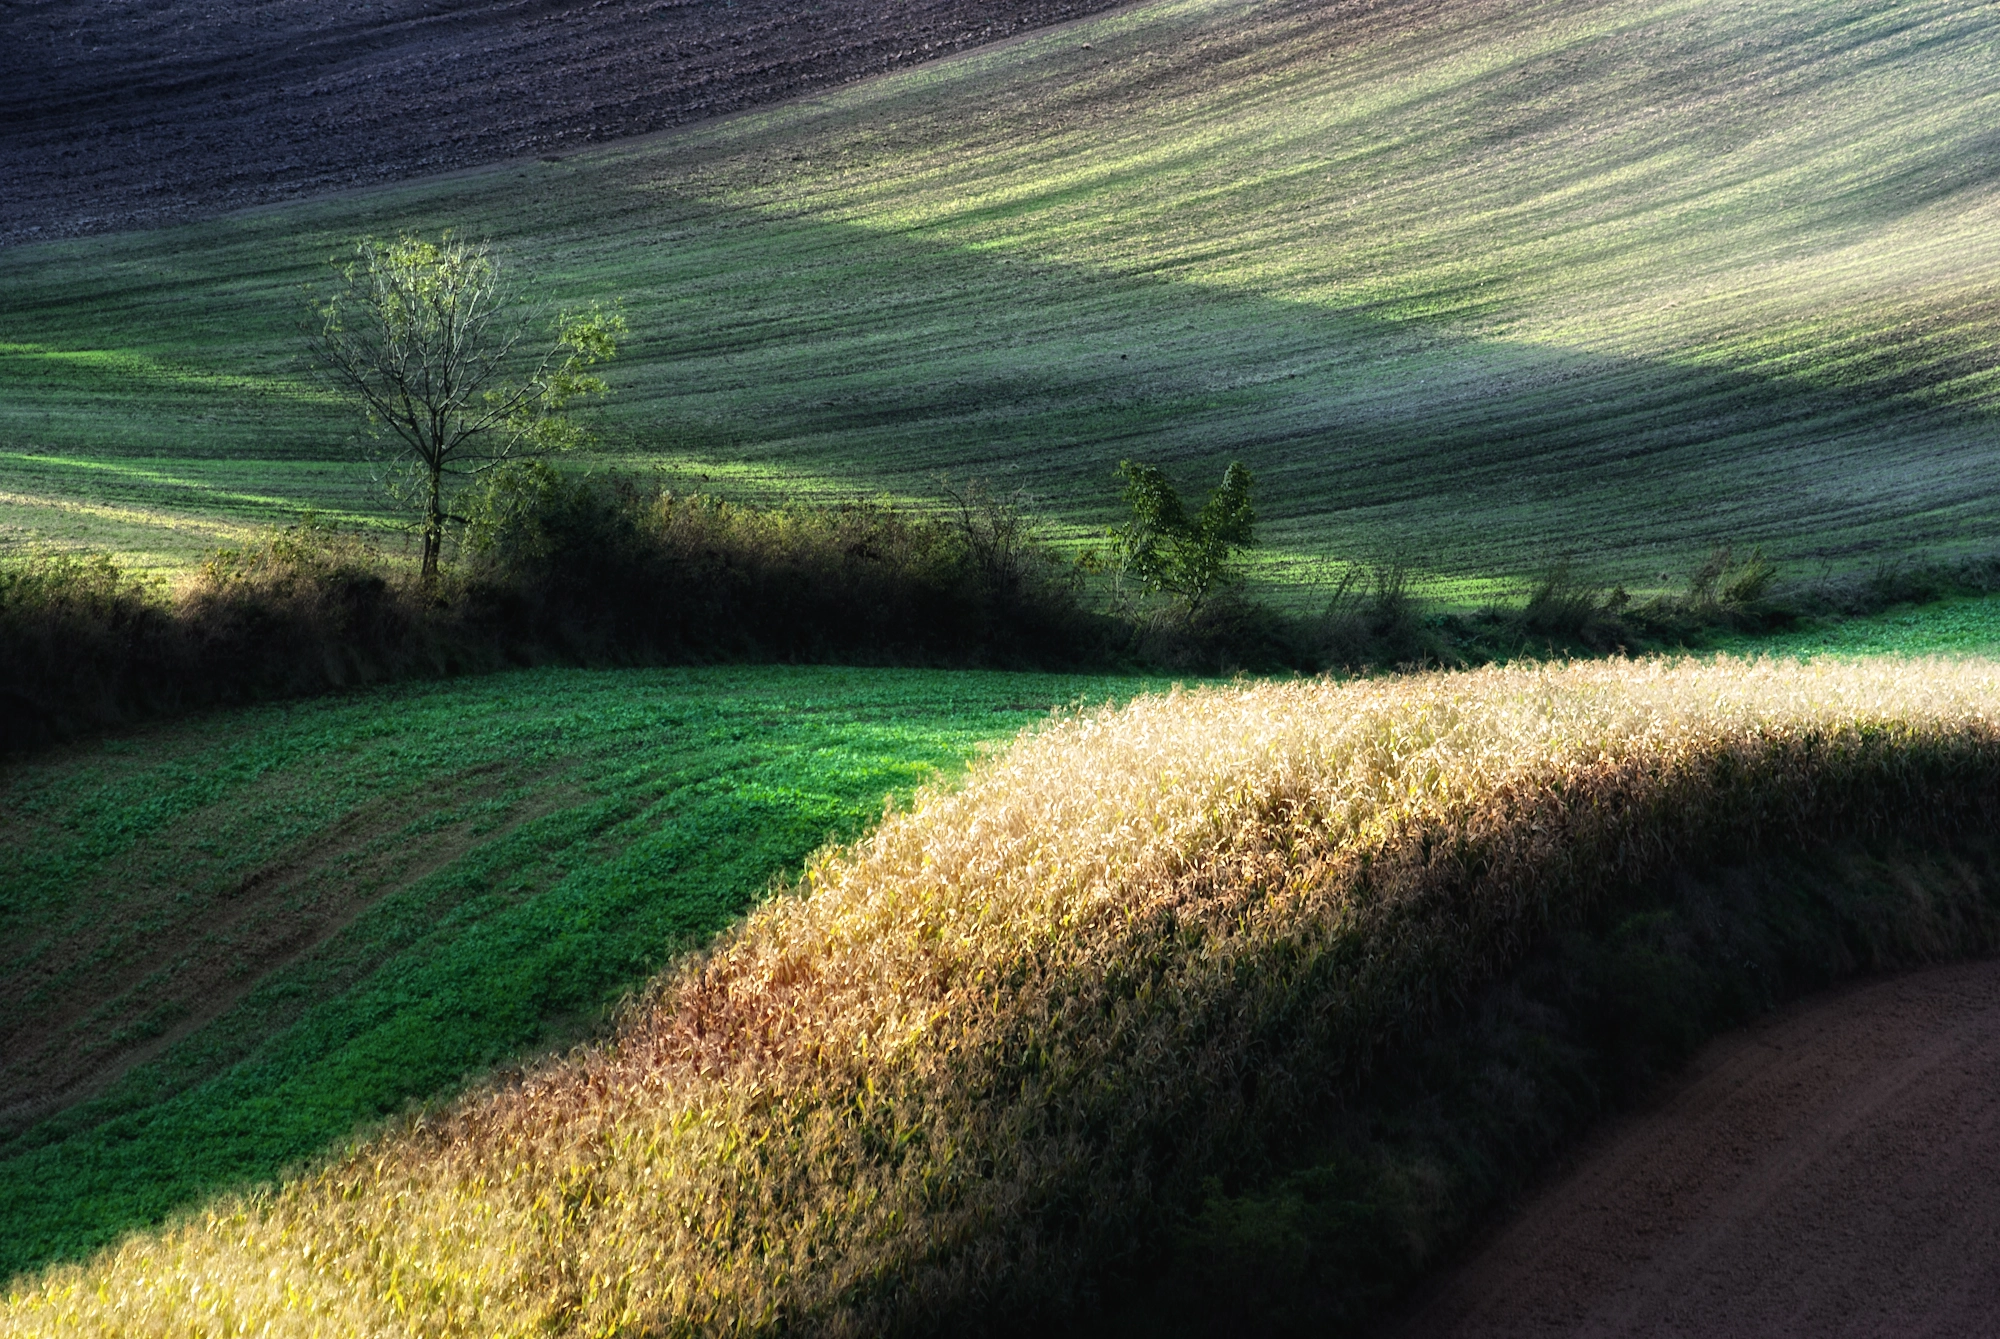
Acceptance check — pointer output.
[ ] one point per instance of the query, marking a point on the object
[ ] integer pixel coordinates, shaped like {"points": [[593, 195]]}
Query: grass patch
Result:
{"points": [[1002, 1043], [232, 942], [1958, 626], [1464, 285]]}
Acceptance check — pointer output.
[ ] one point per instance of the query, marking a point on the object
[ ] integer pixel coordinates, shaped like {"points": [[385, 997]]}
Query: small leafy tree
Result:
{"points": [[1188, 557], [426, 340]]}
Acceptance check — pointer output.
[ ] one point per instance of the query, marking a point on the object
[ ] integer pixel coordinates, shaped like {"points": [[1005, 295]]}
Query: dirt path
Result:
{"points": [[1833, 1171]]}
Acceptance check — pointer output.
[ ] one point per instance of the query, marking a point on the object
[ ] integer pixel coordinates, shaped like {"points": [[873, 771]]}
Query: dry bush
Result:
{"points": [[307, 608], [555, 567], [84, 644], [1374, 618], [1563, 603], [1726, 589], [609, 567], [68, 623], [979, 1051]]}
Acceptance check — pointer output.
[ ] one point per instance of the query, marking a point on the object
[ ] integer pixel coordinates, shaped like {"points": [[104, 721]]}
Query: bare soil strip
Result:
{"points": [[1834, 1170]]}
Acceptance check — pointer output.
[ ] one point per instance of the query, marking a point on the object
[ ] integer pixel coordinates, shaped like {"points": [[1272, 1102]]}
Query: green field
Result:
{"points": [[1966, 626], [231, 942], [234, 940], [1472, 284]]}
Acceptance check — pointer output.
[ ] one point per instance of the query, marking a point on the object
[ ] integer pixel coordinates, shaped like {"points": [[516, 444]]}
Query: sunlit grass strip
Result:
{"points": [[986, 1043], [206, 527], [129, 366]]}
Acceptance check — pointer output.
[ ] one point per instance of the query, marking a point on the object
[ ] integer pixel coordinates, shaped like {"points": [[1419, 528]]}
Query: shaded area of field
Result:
{"points": [[1471, 284], [233, 941], [120, 114], [1830, 1171], [1453, 1129]]}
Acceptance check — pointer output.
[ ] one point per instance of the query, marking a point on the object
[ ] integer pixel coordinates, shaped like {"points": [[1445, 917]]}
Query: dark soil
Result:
{"points": [[131, 113]]}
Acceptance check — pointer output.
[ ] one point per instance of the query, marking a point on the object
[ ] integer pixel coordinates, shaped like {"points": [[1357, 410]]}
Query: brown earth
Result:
{"points": [[1832, 1171], [131, 113]]}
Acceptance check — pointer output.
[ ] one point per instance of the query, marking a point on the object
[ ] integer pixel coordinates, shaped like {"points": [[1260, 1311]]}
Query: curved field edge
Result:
{"points": [[995, 1044], [1453, 1126], [228, 944]]}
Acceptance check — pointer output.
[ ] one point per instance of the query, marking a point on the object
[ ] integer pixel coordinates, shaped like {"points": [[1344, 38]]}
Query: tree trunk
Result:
{"points": [[433, 529]]}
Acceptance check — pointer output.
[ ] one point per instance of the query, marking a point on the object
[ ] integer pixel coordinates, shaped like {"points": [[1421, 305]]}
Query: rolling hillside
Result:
{"points": [[129, 113], [230, 944], [1469, 283], [1039, 1027]]}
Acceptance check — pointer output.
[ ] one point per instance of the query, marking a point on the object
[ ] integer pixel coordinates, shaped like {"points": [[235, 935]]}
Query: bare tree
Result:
{"points": [[423, 336]]}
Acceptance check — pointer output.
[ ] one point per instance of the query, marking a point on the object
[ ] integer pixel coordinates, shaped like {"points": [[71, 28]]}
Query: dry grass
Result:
{"points": [[985, 1045]]}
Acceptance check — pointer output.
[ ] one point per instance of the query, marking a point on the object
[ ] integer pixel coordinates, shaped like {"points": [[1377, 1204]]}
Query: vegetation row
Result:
{"points": [[597, 569], [555, 568], [982, 1056]]}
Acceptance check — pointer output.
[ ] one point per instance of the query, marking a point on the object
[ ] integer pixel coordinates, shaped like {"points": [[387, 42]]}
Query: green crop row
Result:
{"points": [[232, 942]]}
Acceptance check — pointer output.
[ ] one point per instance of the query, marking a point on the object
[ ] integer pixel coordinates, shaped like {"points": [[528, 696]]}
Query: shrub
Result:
{"points": [[307, 608], [552, 566], [1188, 557], [84, 644], [603, 566], [1374, 619], [1563, 606], [69, 624], [1725, 587]]}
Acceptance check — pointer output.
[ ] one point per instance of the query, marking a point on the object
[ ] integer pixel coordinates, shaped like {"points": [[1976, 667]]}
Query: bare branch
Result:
{"points": [[421, 337]]}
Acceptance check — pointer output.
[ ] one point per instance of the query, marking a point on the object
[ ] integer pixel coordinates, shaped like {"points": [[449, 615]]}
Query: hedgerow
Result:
{"points": [[554, 568]]}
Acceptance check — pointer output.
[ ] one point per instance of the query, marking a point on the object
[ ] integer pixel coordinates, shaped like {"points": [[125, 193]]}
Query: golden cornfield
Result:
{"points": [[962, 1063]]}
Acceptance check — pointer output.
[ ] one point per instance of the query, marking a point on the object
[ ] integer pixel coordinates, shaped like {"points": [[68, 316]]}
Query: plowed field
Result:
{"points": [[127, 113]]}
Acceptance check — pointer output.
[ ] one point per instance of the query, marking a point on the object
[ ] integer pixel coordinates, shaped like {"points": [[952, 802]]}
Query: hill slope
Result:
{"points": [[1476, 283], [124, 113], [225, 945], [999, 1045]]}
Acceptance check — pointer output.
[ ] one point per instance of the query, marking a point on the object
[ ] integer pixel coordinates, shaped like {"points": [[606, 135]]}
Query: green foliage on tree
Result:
{"points": [[1171, 552], [428, 341]]}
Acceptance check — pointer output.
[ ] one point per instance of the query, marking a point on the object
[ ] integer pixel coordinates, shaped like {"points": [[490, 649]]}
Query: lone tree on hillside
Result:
{"points": [[1188, 557], [426, 340]]}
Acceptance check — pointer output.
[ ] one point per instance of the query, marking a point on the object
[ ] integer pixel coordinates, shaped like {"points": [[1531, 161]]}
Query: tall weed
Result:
{"points": [[1373, 619]]}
